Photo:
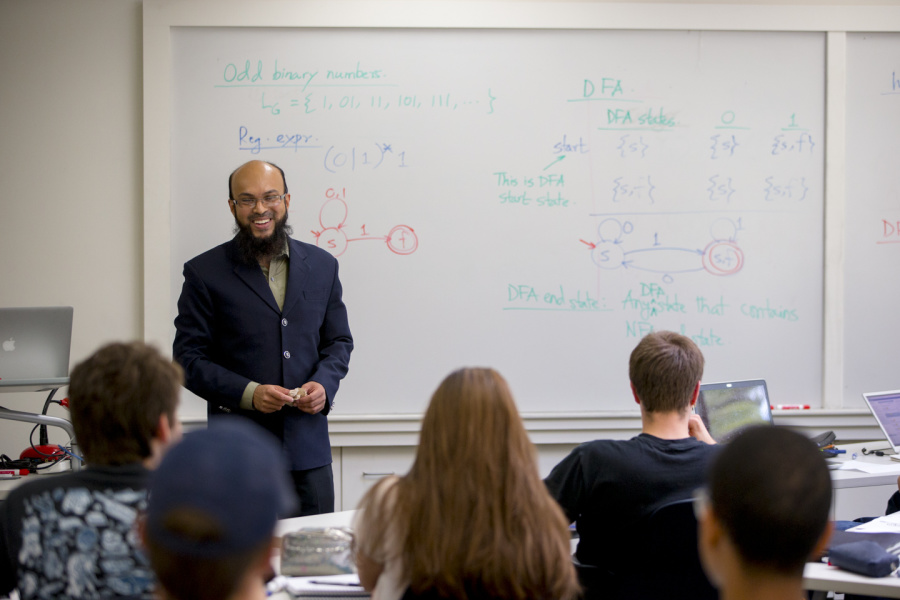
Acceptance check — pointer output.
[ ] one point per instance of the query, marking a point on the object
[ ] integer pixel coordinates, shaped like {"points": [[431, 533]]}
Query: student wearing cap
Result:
{"points": [[214, 503], [765, 514], [72, 535]]}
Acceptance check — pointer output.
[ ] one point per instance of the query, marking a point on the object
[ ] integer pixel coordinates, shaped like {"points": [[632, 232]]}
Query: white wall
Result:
{"points": [[71, 172], [71, 169]]}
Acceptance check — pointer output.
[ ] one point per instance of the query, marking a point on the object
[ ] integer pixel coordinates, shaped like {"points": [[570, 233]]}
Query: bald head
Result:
{"points": [[255, 169]]}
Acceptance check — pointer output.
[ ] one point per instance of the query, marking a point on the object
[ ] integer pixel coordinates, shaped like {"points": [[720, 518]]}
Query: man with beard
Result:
{"points": [[260, 317]]}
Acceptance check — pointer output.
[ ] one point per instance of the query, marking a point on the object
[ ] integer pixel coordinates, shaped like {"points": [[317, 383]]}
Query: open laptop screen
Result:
{"points": [[728, 407], [885, 406], [34, 347]]}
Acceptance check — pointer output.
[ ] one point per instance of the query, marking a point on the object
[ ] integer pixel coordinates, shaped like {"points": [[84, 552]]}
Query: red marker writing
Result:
{"points": [[790, 407]]}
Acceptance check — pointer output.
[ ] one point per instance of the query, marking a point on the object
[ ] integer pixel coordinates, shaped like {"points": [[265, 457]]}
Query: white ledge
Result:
{"points": [[576, 427], [571, 428]]}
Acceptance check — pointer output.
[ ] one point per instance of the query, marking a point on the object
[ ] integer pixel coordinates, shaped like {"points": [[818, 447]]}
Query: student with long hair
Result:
{"points": [[472, 518]]}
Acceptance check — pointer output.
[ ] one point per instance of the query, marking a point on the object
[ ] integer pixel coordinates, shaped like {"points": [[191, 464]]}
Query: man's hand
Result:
{"points": [[270, 398], [314, 400], [697, 430]]}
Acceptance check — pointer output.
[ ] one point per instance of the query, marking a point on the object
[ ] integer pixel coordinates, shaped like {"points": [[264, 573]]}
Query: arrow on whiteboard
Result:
{"points": [[590, 244], [559, 158]]}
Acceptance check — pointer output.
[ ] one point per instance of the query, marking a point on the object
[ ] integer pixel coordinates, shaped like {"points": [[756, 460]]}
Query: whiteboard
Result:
{"points": [[872, 286], [530, 200]]}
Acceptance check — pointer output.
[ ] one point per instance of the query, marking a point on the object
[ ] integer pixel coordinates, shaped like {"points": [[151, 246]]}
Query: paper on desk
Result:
{"points": [[887, 524], [345, 585], [869, 467]]}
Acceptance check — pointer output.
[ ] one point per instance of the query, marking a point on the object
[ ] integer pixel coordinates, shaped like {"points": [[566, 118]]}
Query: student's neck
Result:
{"points": [[156, 452], [252, 588], [665, 425], [754, 588]]}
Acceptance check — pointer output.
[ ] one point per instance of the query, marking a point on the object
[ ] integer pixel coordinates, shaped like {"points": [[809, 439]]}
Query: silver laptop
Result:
{"points": [[730, 406], [885, 407], [34, 348]]}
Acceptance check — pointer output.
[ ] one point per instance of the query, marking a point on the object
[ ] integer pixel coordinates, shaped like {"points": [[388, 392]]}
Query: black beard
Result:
{"points": [[253, 250]]}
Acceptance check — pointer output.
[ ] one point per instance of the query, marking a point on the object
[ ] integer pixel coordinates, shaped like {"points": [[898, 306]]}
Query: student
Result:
{"points": [[765, 515], [608, 487], [214, 503], [71, 535], [471, 519]]}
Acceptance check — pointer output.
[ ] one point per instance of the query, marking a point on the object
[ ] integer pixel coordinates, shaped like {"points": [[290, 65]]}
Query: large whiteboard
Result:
{"points": [[872, 284], [531, 200]]}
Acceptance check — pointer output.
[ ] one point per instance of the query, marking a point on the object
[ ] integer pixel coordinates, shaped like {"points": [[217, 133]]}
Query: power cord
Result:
{"points": [[59, 453], [876, 452]]}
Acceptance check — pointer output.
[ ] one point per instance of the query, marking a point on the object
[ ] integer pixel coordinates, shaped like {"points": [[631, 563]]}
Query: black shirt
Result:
{"points": [[607, 487]]}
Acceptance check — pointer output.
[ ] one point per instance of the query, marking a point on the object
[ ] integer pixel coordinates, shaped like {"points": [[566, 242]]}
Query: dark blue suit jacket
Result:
{"points": [[229, 331]]}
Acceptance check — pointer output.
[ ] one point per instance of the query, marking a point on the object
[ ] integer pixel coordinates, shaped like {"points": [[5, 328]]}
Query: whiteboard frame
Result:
{"points": [[161, 16]]}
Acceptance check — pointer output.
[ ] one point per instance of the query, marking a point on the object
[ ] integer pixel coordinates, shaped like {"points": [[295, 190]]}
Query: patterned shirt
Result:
{"points": [[73, 536]]}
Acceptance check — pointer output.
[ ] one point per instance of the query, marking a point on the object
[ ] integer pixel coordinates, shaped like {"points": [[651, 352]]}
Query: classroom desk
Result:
{"points": [[819, 577], [816, 576], [7, 485], [859, 494]]}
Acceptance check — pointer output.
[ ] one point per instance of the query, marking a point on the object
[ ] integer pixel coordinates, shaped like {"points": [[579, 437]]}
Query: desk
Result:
{"points": [[816, 576], [859, 494], [821, 577], [8, 485]]}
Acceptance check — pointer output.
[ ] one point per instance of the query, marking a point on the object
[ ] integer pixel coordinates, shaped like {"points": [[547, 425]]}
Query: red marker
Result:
{"points": [[16, 472], [790, 407]]}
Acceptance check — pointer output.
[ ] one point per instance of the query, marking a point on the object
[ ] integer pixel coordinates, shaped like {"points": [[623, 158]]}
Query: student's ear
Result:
{"points": [[710, 530], [695, 395], [638, 400], [168, 431], [163, 429], [141, 525], [710, 539], [263, 564], [822, 544]]}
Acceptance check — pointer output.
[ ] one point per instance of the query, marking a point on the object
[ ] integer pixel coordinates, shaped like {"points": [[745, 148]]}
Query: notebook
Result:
{"points": [[730, 406], [885, 407], [34, 348]]}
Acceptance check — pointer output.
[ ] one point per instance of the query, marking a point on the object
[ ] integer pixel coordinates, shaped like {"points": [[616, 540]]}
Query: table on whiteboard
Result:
{"points": [[530, 200]]}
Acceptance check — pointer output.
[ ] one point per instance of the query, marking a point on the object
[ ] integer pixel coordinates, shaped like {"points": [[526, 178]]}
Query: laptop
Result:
{"points": [[885, 407], [34, 348], [730, 406]]}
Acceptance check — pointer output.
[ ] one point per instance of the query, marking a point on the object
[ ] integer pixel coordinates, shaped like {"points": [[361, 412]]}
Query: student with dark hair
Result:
{"points": [[765, 514], [214, 503], [71, 536], [471, 519], [608, 487]]}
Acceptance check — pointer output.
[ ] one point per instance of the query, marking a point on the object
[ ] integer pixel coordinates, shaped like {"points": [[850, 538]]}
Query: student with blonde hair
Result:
{"points": [[472, 518]]}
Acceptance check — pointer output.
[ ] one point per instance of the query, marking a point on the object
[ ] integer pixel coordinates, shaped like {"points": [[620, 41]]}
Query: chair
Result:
{"points": [[664, 562]]}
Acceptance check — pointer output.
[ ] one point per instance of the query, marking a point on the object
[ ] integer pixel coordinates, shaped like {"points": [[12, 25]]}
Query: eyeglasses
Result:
{"points": [[269, 201]]}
